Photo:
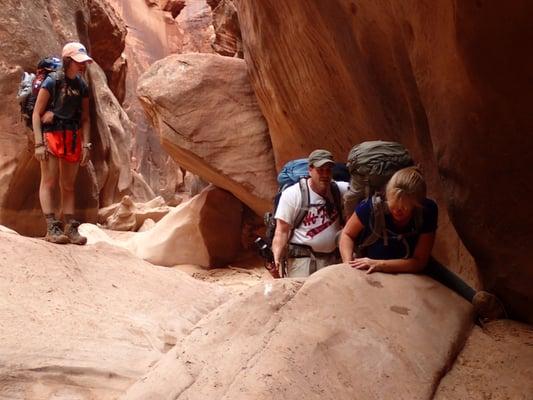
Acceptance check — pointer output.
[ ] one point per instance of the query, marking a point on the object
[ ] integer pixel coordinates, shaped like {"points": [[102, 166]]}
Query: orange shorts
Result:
{"points": [[65, 144]]}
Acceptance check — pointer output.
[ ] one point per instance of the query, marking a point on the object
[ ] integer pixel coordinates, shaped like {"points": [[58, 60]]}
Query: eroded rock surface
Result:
{"points": [[157, 29], [343, 334], [227, 41], [206, 231], [496, 363], [209, 122], [85, 322], [107, 35], [130, 216]]}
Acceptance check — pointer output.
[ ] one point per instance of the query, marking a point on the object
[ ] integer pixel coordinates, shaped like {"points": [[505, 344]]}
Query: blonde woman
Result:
{"points": [[396, 235]]}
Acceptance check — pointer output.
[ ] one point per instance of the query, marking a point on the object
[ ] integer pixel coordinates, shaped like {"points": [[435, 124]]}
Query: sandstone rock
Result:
{"points": [[195, 21], [111, 140], [448, 81], [343, 334], [107, 35], [130, 216], [175, 201], [213, 3], [5, 229], [152, 35], [496, 363], [140, 191], [227, 41], [209, 122], [85, 322], [172, 6], [204, 231], [147, 225]]}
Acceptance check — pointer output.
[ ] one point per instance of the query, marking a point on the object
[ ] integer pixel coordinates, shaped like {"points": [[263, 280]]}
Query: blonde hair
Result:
{"points": [[407, 184]]}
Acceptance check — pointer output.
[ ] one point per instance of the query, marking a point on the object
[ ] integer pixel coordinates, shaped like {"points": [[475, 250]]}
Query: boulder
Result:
{"points": [[85, 322], [342, 334], [130, 216], [206, 231], [209, 122]]}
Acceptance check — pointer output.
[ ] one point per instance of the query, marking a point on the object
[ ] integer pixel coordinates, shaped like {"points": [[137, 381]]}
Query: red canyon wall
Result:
{"points": [[451, 80]]}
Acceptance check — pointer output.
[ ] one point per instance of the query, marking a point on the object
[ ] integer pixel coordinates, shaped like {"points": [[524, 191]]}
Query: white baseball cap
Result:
{"points": [[77, 52]]}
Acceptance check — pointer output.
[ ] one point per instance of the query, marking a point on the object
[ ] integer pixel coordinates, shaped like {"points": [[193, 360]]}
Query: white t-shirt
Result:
{"points": [[319, 228]]}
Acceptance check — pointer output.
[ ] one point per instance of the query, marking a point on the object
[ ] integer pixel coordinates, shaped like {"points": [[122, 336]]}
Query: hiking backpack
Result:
{"points": [[30, 84], [296, 171], [371, 165]]}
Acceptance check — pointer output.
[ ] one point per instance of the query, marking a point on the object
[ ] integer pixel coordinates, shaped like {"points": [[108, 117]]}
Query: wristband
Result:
{"points": [[87, 146]]}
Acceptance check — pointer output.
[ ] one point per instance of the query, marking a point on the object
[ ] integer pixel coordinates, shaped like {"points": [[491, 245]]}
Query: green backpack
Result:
{"points": [[371, 165]]}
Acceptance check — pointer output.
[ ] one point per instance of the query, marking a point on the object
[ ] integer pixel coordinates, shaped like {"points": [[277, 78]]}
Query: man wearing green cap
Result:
{"points": [[311, 245]]}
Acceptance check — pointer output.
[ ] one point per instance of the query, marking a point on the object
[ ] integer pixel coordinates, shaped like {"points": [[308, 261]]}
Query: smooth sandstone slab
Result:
{"points": [[86, 322], [341, 335]]}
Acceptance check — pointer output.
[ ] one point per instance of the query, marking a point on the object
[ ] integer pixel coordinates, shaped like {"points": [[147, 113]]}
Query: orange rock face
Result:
{"points": [[107, 35], [450, 81], [227, 41], [157, 29]]}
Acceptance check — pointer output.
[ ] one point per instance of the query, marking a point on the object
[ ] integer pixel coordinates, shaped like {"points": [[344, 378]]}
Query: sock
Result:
{"points": [[50, 218]]}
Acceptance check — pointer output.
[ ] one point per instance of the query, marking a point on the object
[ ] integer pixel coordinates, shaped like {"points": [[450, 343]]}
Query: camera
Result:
{"points": [[264, 249]]}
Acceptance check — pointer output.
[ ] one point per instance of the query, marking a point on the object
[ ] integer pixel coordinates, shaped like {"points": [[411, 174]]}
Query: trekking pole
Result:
{"points": [[266, 252]]}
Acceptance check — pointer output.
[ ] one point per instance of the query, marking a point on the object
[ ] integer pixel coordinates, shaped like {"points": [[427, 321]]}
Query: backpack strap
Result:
{"points": [[304, 203], [337, 200], [378, 228], [377, 225]]}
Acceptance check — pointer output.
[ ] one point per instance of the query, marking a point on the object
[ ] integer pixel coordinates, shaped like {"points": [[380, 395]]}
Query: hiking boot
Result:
{"points": [[54, 233], [488, 307], [71, 230]]}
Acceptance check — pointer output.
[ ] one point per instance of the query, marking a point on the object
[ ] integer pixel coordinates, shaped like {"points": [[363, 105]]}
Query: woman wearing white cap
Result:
{"points": [[62, 131]]}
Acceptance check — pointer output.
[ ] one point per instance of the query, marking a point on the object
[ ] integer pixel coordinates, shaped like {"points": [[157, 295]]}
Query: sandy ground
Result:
{"points": [[236, 277]]}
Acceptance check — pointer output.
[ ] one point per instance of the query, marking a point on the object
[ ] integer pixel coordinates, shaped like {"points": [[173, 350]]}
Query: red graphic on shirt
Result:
{"points": [[324, 217]]}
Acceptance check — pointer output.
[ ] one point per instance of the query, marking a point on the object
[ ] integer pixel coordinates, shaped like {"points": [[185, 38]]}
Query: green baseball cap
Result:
{"points": [[320, 157]]}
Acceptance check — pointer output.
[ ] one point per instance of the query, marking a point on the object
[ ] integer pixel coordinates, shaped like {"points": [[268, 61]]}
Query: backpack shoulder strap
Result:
{"points": [[337, 200], [59, 81], [304, 203], [377, 224]]}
